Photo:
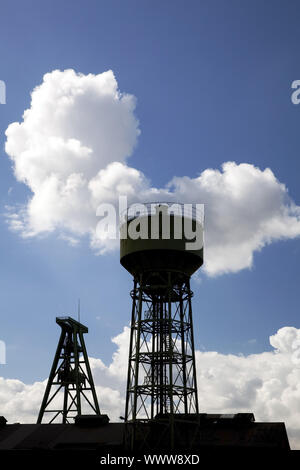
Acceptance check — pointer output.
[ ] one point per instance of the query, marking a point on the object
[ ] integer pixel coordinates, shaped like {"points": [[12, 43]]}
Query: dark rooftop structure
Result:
{"points": [[88, 441]]}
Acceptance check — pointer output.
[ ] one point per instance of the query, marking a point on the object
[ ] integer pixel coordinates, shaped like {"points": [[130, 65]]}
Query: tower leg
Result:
{"points": [[51, 377]]}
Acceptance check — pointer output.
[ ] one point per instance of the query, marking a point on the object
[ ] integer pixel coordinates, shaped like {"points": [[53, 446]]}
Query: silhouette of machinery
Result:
{"points": [[70, 386]]}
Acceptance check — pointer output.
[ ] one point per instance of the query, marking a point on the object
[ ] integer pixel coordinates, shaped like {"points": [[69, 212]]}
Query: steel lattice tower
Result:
{"points": [[161, 373], [161, 381], [70, 381]]}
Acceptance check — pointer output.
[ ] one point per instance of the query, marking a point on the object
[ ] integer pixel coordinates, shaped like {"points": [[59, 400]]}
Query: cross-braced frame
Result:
{"points": [[70, 386], [161, 371]]}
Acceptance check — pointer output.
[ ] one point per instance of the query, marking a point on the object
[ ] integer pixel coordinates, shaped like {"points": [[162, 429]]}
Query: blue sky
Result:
{"points": [[213, 83]]}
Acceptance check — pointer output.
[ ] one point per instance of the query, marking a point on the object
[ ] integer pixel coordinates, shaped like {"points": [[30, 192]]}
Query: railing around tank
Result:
{"points": [[191, 211]]}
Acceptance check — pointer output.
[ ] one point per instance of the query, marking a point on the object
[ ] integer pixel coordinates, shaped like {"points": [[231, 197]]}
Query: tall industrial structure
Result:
{"points": [[161, 247], [70, 385]]}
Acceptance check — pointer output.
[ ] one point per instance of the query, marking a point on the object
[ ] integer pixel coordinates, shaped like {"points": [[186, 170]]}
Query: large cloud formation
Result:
{"points": [[71, 150], [267, 384]]}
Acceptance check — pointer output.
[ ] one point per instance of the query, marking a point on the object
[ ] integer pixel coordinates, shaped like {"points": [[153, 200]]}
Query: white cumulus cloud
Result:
{"points": [[71, 150], [245, 209], [267, 384]]}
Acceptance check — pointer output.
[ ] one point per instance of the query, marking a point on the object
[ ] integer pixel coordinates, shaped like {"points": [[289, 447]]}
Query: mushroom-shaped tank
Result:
{"points": [[162, 236]]}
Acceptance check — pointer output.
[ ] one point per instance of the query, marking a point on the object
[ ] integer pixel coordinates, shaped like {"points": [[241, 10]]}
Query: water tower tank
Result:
{"points": [[162, 236], [161, 246]]}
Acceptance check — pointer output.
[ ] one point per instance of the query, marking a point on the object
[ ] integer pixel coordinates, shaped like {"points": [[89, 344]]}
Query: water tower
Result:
{"points": [[161, 246]]}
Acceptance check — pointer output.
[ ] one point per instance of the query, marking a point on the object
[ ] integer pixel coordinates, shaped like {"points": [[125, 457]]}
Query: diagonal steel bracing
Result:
{"points": [[70, 387]]}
